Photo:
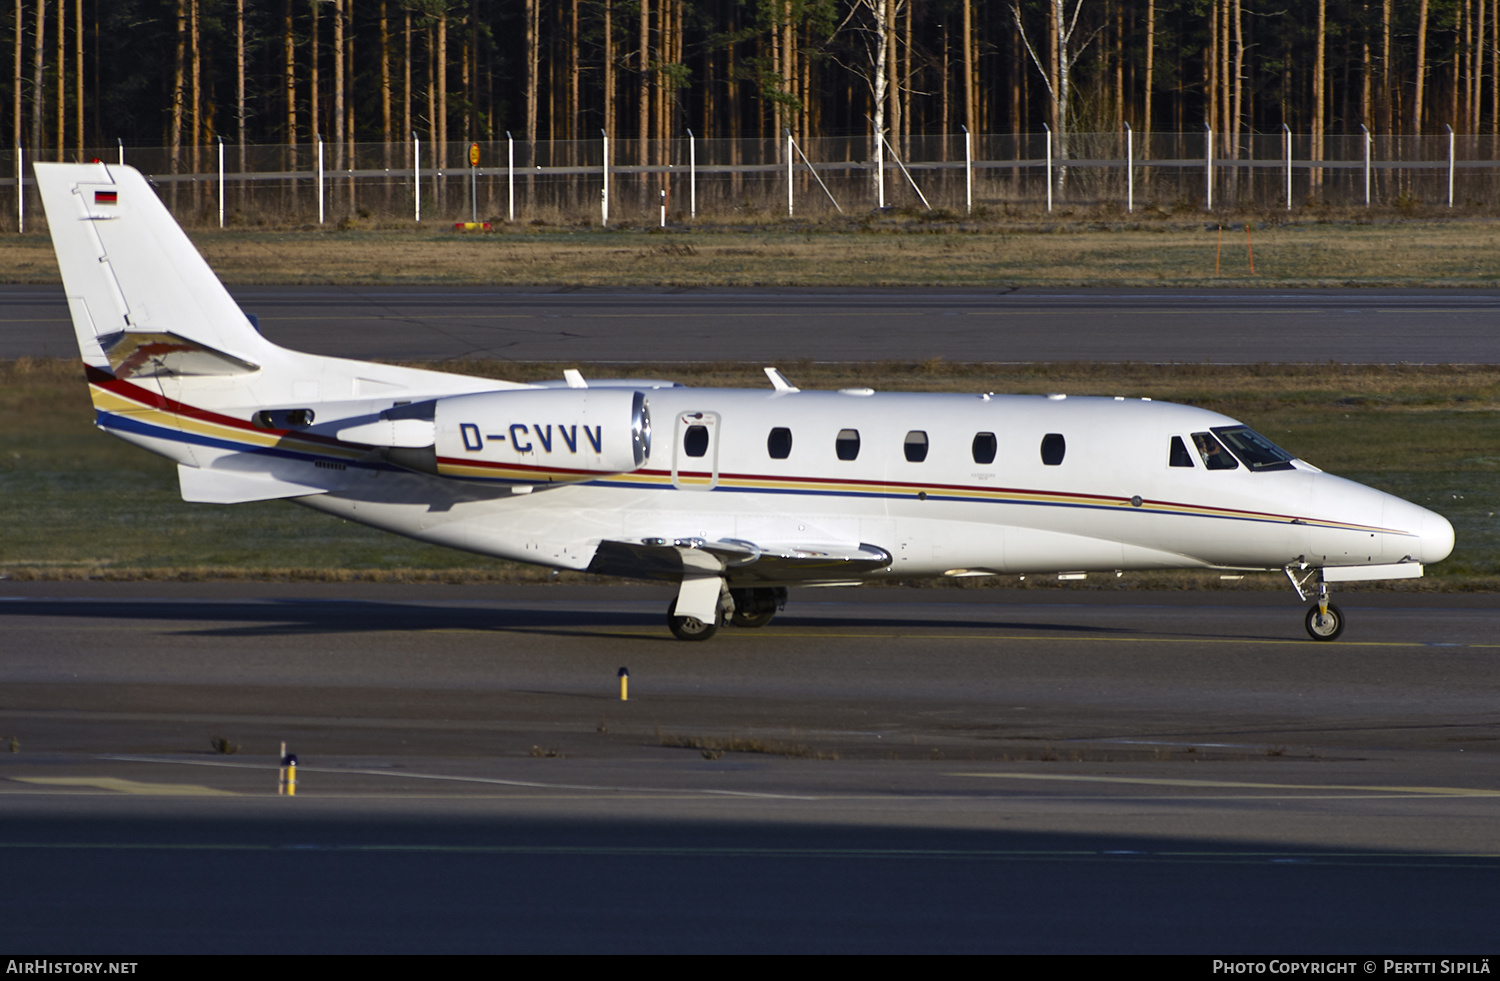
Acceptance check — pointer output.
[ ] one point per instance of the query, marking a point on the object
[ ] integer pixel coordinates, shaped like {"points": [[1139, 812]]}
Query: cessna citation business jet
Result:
{"points": [[732, 494]]}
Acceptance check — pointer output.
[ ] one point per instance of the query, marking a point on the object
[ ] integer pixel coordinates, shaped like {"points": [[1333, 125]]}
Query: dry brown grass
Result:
{"points": [[885, 251]]}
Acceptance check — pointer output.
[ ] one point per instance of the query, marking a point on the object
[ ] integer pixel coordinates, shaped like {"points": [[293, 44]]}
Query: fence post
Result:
{"points": [[789, 173], [604, 203], [968, 172], [320, 180], [1364, 129], [221, 182], [1450, 164], [1049, 165], [879, 167], [122, 150], [20, 189], [692, 175], [416, 174], [1129, 170], [1286, 135], [1208, 167], [510, 177]]}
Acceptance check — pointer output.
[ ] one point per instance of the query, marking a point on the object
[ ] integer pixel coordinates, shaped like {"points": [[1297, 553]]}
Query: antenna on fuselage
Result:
{"points": [[779, 382]]}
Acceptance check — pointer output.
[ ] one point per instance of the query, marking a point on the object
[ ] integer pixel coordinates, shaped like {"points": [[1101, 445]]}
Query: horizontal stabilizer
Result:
{"points": [[201, 486], [150, 353]]}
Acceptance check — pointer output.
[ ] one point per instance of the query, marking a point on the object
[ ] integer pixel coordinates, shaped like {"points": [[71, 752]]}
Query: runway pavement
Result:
{"points": [[786, 325], [878, 770]]}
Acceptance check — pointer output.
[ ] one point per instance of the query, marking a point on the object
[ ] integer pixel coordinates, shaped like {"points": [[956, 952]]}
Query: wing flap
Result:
{"points": [[737, 560]]}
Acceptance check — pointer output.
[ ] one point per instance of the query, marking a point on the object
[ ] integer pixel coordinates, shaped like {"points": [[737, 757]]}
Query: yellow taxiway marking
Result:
{"points": [[1239, 784], [130, 786]]}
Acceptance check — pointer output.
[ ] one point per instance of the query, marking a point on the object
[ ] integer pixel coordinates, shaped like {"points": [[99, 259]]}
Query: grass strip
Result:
{"points": [[1156, 249]]}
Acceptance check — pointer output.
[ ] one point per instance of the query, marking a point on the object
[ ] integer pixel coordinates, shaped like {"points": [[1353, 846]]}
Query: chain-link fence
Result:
{"points": [[639, 181]]}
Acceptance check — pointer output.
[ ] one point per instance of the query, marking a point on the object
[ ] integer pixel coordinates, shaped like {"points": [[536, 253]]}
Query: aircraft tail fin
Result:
{"points": [[133, 278]]}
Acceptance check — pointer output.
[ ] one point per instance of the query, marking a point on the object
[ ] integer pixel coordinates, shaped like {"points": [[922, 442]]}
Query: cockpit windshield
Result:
{"points": [[1253, 449]]}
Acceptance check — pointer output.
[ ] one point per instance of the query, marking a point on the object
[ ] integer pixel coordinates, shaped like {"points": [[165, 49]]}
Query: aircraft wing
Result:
{"points": [[737, 560]]}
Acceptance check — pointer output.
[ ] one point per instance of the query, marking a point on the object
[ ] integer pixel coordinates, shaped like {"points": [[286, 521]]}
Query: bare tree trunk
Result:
{"points": [[78, 76], [16, 83], [1416, 114], [442, 91], [1476, 99], [609, 67], [1366, 111], [1386, 89], [893, 67], [968, 66], [314, 122], [289, 53], [575, 115], [385, 84], [347, 123], [1319, 87], [1239, 77], [408, 130], [881, 81], [338, 86], [239, 88], [1211, 69], [1150, 66], [643, 103], [533, 60], [904, 79], [38, 78], [197, 75], [62, 79]]}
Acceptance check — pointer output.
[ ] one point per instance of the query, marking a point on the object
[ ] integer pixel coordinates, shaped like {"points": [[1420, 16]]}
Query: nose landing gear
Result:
{"points": [[1324, 621]]}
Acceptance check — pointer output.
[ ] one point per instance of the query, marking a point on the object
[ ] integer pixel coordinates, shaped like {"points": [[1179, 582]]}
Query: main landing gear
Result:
{"points": [[737, 607], [1324, 621]]}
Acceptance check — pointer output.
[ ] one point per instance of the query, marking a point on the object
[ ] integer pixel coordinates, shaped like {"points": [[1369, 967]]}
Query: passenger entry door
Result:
{"points": [[695, 451]]}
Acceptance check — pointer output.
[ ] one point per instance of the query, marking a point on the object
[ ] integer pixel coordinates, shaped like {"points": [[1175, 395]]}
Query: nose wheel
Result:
{"points": [[1324, 624]]}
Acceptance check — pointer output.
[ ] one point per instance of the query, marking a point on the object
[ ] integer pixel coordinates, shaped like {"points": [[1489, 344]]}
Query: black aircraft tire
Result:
{"points": [[744, 619], [689, 628], [1330, 628]]}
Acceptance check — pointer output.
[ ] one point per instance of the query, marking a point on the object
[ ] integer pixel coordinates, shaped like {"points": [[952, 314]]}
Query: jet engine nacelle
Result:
{"points": [[542, 436]]}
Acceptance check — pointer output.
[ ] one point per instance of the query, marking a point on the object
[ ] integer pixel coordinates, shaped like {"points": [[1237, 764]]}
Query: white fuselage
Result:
{"points": [[1112, 503]]}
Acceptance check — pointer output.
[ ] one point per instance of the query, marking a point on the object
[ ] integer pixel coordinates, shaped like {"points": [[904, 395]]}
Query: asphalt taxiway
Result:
{"points": [[588, 325], [877, 770]]}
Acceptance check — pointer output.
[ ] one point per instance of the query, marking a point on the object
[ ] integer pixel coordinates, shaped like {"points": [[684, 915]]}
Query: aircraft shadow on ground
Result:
{"points": [[293, 616], [342, 882]]}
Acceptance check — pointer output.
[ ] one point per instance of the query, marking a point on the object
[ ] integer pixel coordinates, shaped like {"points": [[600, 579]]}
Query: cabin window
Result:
{"points": [[779, 443], [1179, 457], [915, 446], [847, 444], [695, 441], [985, 445], [1215, 457], [1253, 449], [1053, 449]]}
